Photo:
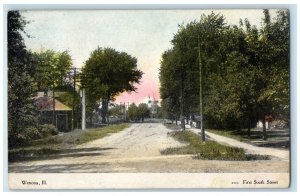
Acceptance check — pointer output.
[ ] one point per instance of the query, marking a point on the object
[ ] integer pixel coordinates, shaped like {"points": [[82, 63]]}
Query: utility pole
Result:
{"points": [[125, 110], [53, 106], [182, 120], [200, 93], [83, 127], [74, 94]]}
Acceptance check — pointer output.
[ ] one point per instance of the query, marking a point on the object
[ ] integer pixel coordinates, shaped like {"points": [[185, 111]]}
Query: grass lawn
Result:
{"points": [[238, 135], [55, 144], [207, 150], [276, 138]]}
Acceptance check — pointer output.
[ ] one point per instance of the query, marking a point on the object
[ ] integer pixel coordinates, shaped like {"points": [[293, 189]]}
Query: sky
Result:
{"points": [[144, 34]]}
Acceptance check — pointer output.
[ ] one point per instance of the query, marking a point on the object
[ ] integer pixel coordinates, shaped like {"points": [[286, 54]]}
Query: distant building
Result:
{"points": [[61, 115]]}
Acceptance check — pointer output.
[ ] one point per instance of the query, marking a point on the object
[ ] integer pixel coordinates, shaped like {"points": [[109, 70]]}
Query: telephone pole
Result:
{"points": [[83, 127], [182, 120], [74, 94], [200, 93], [125, 111]]}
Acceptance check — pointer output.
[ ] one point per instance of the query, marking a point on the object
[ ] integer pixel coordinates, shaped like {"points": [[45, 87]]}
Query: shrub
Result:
{"points": [[23, 138], [47, 130], [30, 133]]}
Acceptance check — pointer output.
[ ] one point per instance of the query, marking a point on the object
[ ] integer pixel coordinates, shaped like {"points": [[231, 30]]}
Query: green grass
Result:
{"points": [[210, 150], [94, 134], [240, 135], [55, 144]]}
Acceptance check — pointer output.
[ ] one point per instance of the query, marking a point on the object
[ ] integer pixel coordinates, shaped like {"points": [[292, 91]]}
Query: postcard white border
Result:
{"points": [[294, 71]]}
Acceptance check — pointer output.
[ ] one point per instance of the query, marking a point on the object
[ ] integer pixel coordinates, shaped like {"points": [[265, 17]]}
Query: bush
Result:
{"points": [[31, 133], [23, 137], [47, 130]]}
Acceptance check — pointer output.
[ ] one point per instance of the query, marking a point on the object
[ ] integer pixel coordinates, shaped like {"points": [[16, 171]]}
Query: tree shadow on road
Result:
{"points": [[36, 155], [59, 168]]}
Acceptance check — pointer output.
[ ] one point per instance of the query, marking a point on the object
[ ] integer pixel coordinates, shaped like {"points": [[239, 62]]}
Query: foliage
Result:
{"points": [[133, 112], [143, 111], [245, 71], [106, 74], [116, 110], [209, 149], [138, 113], [51, 69], [47, 130], [22, 121], [30, 133]]}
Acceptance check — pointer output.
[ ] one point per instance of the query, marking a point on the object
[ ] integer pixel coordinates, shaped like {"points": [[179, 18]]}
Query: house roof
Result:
{"points": [[46, 104]]}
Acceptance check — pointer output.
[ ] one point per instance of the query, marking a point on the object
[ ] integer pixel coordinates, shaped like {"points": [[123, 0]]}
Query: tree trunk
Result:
{"points": [[183, 124], [264, 129], [104, 110], [176, 120], [107, 118]]}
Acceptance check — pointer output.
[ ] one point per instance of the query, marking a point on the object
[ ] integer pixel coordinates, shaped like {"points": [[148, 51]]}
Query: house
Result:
{"points": [[52, 111]]}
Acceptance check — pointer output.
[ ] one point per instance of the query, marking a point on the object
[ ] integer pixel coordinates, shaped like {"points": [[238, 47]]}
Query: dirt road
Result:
{"points": [[137, 149]]}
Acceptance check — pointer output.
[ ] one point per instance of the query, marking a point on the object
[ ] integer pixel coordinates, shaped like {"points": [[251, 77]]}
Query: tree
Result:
{"points": [[51, 69], [143, 111], [179, 73], [133, 112], [274, 68], [245, 71], [117, 111], [22, 121], [169, 73], [106, 74]]}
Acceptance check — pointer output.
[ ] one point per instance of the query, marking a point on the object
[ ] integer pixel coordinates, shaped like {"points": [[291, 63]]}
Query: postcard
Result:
{"points": [[148, 99]]}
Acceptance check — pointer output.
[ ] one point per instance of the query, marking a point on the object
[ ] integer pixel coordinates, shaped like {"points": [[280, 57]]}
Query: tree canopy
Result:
{"points": [[138, 113], [22, 118], [51, 69], [106, 74], [245, 71]]}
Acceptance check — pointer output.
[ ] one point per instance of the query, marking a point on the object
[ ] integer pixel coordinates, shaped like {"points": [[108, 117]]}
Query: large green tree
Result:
{"points": [[170, 87], [272, 73], [51, 69], [22, 121], [245, 71], [106, 74]]}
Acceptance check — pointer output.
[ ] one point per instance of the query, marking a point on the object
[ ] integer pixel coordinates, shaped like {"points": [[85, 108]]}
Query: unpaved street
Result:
{"points": [[137, 149]]}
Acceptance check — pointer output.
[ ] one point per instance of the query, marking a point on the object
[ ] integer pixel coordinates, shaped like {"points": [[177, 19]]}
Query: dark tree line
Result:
{"points": [[28, 73], [138, 113], [245, 71], [21, 112]]}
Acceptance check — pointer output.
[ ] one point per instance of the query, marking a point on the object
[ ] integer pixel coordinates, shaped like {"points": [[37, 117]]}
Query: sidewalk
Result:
{"points": [[250, 149]]}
